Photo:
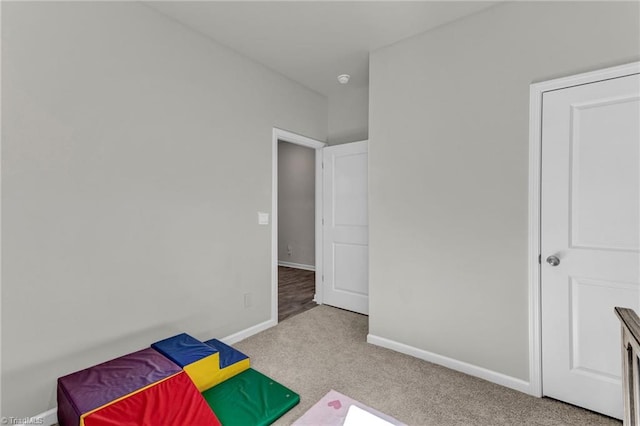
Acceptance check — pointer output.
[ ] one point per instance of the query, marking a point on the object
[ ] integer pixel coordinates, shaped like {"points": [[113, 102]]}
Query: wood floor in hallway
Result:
{"points": [[296, 288]]}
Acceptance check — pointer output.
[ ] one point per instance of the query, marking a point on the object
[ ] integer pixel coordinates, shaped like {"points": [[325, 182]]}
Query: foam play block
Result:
{"points": [[228, 355], [86, 390], [199, 360], [250, 398], [232, 361], [207, 363], [183, 349], [173, 401]]}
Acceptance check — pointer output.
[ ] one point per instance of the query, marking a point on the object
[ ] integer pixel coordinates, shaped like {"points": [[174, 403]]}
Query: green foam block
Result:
{"points": [[250, 398]]}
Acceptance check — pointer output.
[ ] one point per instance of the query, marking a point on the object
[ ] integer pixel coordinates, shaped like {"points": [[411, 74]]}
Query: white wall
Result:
{"points": [[135, 155], [449, 169], [296, 204], [348, 115]]}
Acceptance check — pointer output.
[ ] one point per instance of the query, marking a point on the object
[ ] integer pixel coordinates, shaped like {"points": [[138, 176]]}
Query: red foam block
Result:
{"points": [[174, 401], [84, 391]]}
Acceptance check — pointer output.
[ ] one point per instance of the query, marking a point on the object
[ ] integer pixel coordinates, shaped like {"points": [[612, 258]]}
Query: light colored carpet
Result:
{"points": [[325, 348]]}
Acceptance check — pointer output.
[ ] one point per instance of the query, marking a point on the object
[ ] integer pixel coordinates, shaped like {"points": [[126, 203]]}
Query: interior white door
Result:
{"points": [[346, 226], [590, 225]]}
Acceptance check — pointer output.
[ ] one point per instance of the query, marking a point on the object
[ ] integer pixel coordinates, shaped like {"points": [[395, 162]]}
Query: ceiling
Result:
{"points": [[312, 42]]}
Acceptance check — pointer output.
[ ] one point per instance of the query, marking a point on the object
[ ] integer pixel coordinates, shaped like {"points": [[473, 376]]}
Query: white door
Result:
{"points": [[591, 223], [346, 227]]}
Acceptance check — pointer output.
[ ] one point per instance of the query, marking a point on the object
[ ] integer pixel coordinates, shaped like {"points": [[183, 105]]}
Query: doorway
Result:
{"points": [[297, 229]]}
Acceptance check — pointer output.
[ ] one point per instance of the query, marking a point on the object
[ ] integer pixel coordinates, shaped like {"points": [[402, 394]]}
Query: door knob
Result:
{"points": [[553, 260]]}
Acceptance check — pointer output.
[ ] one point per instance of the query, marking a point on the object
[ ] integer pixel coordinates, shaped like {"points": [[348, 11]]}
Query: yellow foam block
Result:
{"points": [[233, 369], [204, 372]]}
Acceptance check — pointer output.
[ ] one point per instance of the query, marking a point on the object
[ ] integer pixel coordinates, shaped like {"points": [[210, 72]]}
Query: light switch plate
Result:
{"points": [[263, 218]]}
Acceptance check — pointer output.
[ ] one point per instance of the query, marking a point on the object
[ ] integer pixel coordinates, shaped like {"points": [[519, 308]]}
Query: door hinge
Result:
{"points": [[323, 165], [322, 278], [539, 259], [323, 220]]}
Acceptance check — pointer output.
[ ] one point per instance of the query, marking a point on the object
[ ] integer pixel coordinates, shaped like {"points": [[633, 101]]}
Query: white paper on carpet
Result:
{"points": [[333, 408]]}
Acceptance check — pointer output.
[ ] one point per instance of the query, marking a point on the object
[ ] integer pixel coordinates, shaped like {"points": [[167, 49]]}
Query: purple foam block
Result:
{"points": [[88, 389]]}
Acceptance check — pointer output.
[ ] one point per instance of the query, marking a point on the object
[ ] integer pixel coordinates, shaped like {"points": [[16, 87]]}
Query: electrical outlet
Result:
{"points": [[263, 218], [289, 250], [247, 300]]}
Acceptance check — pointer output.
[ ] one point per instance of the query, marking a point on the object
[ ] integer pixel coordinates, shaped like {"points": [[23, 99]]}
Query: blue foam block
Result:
{"points": [[228, 355], [183, 349]]}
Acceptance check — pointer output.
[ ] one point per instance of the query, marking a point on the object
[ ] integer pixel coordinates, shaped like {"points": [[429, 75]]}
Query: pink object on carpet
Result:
{"points": [[332, 410]]}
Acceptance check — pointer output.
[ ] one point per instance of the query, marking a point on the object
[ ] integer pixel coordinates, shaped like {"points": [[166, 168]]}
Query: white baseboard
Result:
{"points": [[248, 332], [297, 265], [48, 418], [454, 364]]}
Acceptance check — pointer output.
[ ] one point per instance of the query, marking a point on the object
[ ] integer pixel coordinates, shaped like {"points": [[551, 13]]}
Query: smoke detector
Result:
{"points": [[344, 78]]}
